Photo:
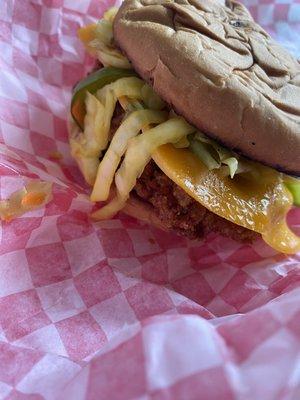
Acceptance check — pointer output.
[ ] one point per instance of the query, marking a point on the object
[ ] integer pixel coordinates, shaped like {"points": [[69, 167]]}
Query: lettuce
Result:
{"points": [[215, 156]]}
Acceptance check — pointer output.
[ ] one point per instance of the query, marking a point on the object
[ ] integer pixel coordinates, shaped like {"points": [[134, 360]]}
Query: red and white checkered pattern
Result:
{"points": [[116, 309]]}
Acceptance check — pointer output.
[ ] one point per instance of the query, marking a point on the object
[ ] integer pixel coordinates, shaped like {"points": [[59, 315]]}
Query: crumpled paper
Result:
{"points": [[118, 309]]}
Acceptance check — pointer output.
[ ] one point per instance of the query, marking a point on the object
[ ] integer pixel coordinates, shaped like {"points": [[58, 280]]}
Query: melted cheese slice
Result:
{"points": [[257, 204]]}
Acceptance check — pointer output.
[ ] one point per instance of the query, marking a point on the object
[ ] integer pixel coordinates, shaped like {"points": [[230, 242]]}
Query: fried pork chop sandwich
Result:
{"points": [[190, 121]]}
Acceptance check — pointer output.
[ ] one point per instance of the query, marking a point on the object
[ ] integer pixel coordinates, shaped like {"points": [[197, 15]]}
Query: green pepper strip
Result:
{"points": [[294, 187], [93, 82]]}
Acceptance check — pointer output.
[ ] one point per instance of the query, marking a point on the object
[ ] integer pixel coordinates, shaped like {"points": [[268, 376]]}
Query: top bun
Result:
{"points": [[221, 71]]}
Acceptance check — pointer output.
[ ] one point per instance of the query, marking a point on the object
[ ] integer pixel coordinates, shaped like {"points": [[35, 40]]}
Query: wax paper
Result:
{"points": [[118, 309]]}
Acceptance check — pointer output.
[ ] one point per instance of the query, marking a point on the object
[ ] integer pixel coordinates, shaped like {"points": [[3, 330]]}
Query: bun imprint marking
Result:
{"points": [[220, 70]]}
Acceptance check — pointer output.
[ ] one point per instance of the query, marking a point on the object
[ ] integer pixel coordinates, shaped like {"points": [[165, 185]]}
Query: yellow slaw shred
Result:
{"points": [[87, 146], [129, 128], [98, 39], [138, 154]]}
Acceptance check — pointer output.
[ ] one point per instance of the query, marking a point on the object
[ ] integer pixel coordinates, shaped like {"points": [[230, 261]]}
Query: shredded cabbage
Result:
{"points": [[104, 30], [132, 93], [87, 146], [110, 209], [130, 87], [232, 163], [96, 123], [141, 147], [202, 151], [103, 44], [130, 105], [137, 156], [182, 143], [129, 128], [215, 156], [87, 164], [151, 99], [110, 14], [34, 195]]}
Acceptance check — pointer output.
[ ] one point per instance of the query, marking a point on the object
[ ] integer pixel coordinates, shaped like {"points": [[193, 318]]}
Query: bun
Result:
{"points": [[143, 211], [221, 71]]}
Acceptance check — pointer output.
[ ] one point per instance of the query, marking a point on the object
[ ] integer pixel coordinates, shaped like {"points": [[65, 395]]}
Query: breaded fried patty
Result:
{"points": [[180, 212]]}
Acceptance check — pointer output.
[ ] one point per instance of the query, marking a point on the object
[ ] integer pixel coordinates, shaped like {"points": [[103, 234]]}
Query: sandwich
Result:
{"points": [[190, 121]]}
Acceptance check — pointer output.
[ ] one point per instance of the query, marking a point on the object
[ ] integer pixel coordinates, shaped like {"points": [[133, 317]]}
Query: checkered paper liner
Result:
{"points": [[118, 309]]}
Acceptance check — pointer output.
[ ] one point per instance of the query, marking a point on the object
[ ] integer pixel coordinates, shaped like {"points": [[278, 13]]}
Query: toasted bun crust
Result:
{"points": [[220, 70], [144, 212]]}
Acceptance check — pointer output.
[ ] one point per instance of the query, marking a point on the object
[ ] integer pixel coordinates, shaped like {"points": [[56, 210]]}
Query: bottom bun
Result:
{"points": [[143, 211]]}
